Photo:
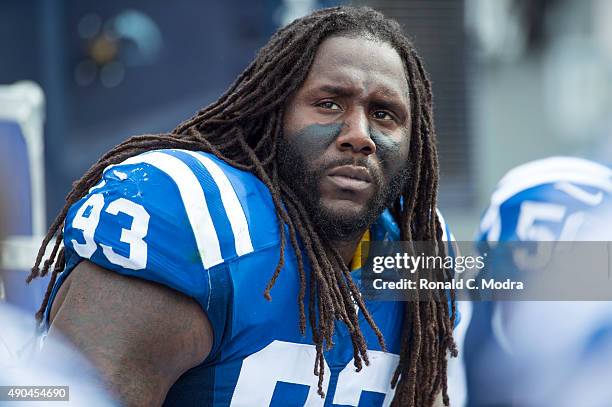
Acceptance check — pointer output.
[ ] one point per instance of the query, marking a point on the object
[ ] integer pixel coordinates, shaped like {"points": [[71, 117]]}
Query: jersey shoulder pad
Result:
{"points": [[170, 216], [386, 228]]}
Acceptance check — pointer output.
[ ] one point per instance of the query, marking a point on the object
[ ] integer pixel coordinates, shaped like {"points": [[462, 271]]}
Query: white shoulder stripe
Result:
{"points": [[556, 165], [507, 190], [98, 185], [233, 208], [194, 201], [445, 236]]}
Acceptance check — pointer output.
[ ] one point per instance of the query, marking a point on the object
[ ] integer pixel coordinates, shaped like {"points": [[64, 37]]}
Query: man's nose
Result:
{"points": [[355, 134]]}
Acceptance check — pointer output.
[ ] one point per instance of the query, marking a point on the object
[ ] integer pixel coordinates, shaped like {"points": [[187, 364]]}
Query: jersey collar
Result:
{"points": [[384, 229]]}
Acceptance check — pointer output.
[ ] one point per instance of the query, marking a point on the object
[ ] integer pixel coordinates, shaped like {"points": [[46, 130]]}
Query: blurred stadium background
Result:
{"points": [[514, 80]]}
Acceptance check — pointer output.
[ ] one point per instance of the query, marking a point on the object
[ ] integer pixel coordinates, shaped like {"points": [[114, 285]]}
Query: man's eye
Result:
{"points": [[329, 105], [382, 115]]}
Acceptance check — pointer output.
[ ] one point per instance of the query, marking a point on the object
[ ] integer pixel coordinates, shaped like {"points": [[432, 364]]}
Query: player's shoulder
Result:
{"points": [[174, 217], [549, 190], [221, 202], [166, 215], [188, 174], [554, 179]]}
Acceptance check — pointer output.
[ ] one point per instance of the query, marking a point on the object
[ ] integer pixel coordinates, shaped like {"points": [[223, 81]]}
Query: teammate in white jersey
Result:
{"points": [[549, 352]]}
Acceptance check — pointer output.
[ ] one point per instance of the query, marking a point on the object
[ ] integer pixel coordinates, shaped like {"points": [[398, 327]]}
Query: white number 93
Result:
{"points": [[134, 236]]}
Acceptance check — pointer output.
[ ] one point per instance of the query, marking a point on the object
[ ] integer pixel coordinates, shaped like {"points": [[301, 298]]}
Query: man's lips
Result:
{"points": [[350, 177]]}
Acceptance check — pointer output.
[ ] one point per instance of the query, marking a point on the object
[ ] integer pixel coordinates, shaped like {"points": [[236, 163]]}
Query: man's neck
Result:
{"points": [[346, 248]]}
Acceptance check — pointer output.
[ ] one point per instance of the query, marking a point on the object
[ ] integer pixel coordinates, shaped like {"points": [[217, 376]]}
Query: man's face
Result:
{"points": [[346, 135]]}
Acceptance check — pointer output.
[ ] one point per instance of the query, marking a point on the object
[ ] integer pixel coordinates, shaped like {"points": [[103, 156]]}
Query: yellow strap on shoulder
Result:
{"points": [[356, 261]]}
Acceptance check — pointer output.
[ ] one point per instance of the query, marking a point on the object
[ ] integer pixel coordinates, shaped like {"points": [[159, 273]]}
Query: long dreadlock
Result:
{"points": [[243, 128]]}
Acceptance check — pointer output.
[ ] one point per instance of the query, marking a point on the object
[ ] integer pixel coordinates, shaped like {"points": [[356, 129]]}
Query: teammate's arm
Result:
{"points": [[141, 335]]}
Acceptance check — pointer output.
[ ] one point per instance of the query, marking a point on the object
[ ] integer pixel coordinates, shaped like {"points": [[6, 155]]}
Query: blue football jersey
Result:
{"points": [[553, 199], [206, 229]]}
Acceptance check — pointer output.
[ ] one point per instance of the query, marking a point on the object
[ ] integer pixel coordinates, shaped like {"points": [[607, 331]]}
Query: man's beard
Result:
{"points": [[333, 226]]}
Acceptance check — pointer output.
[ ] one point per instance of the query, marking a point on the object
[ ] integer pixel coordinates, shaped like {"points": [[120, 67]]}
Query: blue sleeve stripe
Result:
{"points": [[231, 204], [192, 195]]}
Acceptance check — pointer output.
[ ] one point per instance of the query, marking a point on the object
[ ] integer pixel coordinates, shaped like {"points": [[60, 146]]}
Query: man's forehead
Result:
{"points": [[339, 83], [349, 62]]}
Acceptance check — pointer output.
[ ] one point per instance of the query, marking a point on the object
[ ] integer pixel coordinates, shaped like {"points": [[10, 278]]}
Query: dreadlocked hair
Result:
{"points": [[243, 128]]}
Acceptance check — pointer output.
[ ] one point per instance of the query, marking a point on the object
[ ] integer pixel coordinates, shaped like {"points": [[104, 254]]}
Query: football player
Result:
{"points": [[534, 353], [212, 265]]}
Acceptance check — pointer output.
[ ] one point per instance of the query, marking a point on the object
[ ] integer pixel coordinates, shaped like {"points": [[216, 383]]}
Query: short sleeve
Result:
{"points": [[134, 222], [167, 216]]}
